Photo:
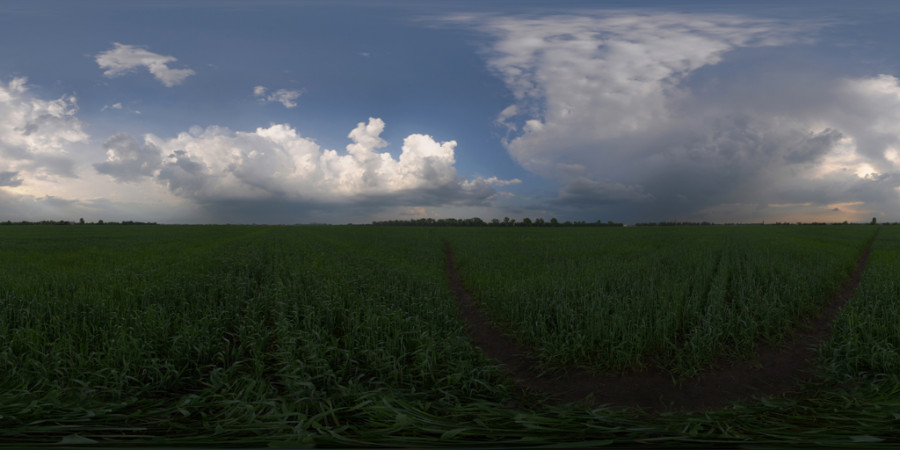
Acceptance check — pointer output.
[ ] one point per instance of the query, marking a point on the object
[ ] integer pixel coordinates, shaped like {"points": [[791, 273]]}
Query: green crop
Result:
{"points": [[349, 336], [867, 335], [676, 298]]}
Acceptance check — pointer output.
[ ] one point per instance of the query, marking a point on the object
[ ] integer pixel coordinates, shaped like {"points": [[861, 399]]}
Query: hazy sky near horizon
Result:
{"points": [[353, 111]]}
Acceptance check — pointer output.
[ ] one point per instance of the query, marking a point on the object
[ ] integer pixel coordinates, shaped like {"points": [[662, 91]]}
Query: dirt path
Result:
{"points": [[774, 371]]}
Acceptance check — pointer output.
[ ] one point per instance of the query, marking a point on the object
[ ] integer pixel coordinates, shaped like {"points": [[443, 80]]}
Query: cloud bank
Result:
{"points": [[658, 116], [122, 59], [216, 165]]}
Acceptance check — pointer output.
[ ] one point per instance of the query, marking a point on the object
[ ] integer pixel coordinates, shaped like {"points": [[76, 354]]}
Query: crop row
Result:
{"points": [[349, 336], [224, 331], [866, 340], [677, 298]]}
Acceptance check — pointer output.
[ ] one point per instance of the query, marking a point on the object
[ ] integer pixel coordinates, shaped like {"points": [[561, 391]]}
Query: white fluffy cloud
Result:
{"points": [[277, 163], [286, 97], [35, 133], [123, 58], [616, 108], [214, 174]]}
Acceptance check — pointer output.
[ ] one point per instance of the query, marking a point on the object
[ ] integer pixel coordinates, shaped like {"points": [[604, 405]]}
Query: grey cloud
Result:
{"points": [[42, 165], [18, 207], [452, 194], [10, 179], [128, 160], [282, 210], [39, 164], [586, 192], [184, 176], [25, 207], [45, 124], [814, 147], [675, 116]]}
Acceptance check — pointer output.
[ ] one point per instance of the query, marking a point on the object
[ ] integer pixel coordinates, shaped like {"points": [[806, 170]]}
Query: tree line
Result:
{"points": [[506, 222], [79, 222]]}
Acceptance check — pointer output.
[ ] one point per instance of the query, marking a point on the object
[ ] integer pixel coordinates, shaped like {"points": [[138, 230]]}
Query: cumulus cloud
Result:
{"points": [[634, 113], [276, 163], [286, 97], [582, 79], [35, 133], [122, 59]]}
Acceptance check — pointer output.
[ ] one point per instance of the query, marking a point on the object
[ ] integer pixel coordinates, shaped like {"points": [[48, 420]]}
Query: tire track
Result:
{"points": [[774, 371]]}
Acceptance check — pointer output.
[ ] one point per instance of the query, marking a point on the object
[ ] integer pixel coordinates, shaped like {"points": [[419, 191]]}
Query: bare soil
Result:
{"points": [[774, 371]]}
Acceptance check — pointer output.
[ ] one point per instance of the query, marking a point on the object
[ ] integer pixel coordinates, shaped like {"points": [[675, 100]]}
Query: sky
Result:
{"points": [[286, 112]]}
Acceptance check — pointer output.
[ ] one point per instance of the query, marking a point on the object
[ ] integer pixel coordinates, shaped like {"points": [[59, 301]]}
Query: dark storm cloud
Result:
{"points": [[812, 149], [679, 115], [585, 192]]}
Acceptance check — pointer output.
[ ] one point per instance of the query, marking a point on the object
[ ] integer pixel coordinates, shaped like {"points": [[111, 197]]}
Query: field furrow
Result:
{"points": [[249, 336], [775, 370], [683, 300]]}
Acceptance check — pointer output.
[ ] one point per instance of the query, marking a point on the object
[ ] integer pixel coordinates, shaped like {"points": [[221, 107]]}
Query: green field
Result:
{"points": [[349, 336], [678, 298]]}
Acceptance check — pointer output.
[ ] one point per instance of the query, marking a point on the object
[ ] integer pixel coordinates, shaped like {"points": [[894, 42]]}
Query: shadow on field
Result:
{"points": [[774, 371]]}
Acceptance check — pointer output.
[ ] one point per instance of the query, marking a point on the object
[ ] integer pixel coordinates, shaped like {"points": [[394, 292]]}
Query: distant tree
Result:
{"points": [[81, 220], [495, 222], [873, 221], [554, 222], [475, 222], [539, 222], [526, 222], [507, 222]]}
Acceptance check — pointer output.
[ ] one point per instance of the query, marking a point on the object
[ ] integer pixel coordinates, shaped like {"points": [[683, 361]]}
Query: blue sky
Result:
{"points": [[352, 111]]}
